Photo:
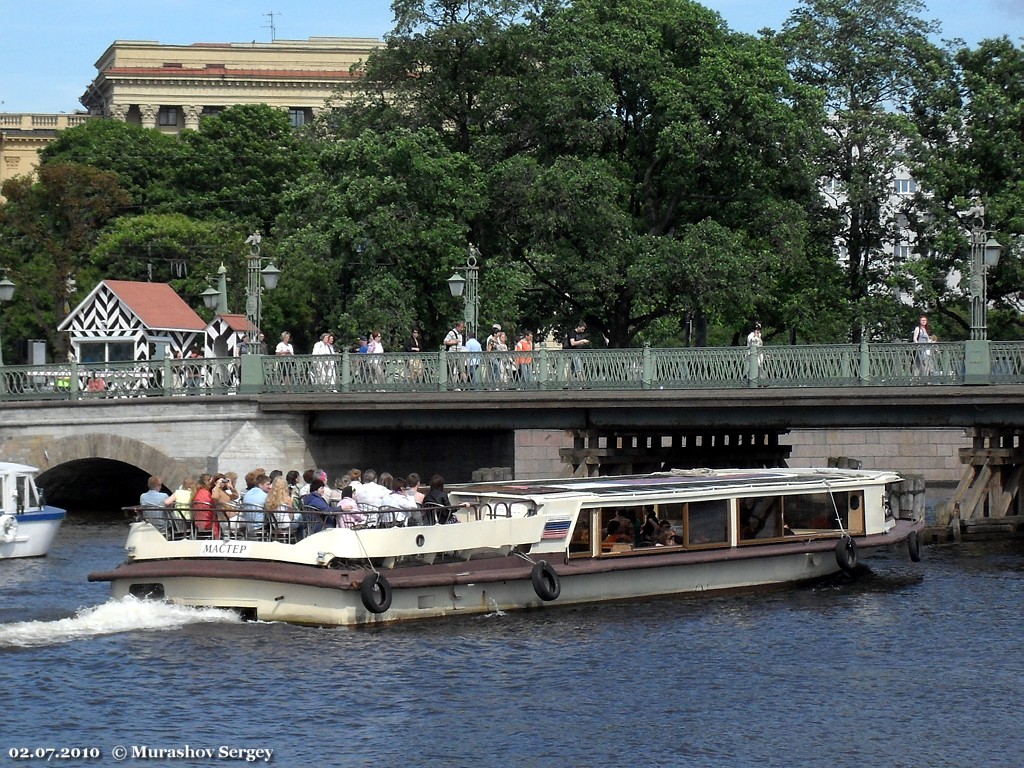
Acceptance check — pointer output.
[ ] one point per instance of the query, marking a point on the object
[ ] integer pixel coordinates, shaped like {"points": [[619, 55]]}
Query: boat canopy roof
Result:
{"points": [[8, 467], [689, 483]]}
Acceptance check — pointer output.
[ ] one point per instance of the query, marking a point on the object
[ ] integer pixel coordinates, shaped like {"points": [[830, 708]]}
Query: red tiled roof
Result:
{"points": [[157, 305], [237, 323]]}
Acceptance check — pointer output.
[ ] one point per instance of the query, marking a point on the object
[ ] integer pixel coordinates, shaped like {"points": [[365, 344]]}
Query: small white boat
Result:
{"points": [[27, 526], [526, 544]]}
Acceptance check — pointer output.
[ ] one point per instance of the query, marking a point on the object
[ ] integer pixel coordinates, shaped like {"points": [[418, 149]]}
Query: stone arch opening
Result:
{"points": [[101, 473]]}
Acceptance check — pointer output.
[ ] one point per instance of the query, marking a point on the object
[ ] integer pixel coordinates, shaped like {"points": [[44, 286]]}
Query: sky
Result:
{"points": [[49, 48]]}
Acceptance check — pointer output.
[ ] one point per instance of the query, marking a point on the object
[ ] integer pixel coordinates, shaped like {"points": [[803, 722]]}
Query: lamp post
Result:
{"points": [[6, 294], [467, 288], [257, 277], [985, 253]]}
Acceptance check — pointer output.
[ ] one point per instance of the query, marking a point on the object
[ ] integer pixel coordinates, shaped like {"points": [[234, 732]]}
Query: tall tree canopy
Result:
{"points": [[870, 59]]}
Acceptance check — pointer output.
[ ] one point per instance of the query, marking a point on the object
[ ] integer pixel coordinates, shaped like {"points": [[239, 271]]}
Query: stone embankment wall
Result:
{"points": [[930, 453]]}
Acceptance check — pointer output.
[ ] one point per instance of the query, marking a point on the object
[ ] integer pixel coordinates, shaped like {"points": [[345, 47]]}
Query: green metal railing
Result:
{"points": [[830, 365]]}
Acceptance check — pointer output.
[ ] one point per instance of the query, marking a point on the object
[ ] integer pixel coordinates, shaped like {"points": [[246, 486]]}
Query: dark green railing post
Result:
{"points": [[542, 367], [865, 361], [165, 366], [753, 361], [647, 367], [252, 381], [442, 370], [74, 391], [346, 371]]}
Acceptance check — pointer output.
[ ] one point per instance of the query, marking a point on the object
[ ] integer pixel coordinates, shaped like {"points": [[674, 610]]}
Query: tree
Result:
{"points": [[238, 165], [972, 150], [371, 235], [870, 59], [47, 228], [175, 249], [145, 161]]}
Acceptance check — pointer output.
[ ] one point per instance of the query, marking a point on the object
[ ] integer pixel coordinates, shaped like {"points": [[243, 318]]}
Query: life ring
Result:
{"points": [[846, 554], [914, 546], [376, 593], [8, 528], [546, 583]]}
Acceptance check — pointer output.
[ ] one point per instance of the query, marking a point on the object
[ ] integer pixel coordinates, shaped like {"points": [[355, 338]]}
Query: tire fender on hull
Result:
{"points": [[846, 554], [546, 583], [914, 546], [375, 592]]}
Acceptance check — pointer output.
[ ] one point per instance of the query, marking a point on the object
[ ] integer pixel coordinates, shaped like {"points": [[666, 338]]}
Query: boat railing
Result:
{"points": [[203, 523]]}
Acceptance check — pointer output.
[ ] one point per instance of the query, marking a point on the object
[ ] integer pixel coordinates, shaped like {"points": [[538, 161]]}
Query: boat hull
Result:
{"points": [[34, 534], [307, 594]]}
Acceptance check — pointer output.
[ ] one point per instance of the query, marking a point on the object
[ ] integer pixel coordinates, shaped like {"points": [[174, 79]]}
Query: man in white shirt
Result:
{"points": [[370, 492]]}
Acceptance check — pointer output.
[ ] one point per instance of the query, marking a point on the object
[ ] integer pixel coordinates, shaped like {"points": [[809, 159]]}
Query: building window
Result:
{"points": [[901, 252], [167, 116], [298, 116], [905, 186]]}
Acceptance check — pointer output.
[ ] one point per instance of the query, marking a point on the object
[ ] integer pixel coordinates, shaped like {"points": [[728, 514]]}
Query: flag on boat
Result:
{"points": [[557, 527]]}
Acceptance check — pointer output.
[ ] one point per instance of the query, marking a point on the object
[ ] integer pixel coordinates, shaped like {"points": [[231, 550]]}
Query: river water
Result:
{"points": [[909, 664]]}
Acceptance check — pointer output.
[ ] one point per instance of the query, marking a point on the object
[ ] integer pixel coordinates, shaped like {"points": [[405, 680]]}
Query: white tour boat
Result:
{"points": [[526, 544], [27, 526]]}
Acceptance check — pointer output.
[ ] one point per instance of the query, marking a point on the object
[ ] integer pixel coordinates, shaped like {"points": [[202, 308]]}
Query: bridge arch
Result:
{"points": [[97, 471]]}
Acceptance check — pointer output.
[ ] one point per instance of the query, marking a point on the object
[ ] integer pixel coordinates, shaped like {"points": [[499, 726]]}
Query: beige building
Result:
{"points": [[22, 137], [171, 87]]}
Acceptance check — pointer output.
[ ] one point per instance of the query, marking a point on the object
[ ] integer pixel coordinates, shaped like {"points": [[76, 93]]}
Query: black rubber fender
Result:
{"points": [[846, 554], [375, 592], [546, 583], [914, 546]]}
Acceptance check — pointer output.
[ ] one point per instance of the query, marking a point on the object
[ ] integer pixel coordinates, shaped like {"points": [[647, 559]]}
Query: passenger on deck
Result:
{"points": [[283, 516], [412, 488], [155, 500], [317, 513], [437, 499], [202, 507], [349, 511], [370, 492], [398, 499], [253, 503]]}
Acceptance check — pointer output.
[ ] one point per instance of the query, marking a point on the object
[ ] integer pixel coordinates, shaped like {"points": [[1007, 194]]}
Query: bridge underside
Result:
{"points": [[615, 452]]}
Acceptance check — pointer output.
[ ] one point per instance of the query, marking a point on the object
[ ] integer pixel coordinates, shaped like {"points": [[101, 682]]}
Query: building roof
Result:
{"points": [[237, 323], [156, 305]]}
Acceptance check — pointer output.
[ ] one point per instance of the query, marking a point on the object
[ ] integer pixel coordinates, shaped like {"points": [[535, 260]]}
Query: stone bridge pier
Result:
{"points": [[97, 455]]}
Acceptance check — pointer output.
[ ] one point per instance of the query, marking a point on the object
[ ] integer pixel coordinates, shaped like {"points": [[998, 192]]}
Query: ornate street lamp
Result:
{"points": [[466, 287], [258, 277], [985, 252], [6, 294]]}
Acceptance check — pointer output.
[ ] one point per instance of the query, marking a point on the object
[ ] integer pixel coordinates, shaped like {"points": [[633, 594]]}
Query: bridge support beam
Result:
{"points": [[989, 489], [619, 452]]}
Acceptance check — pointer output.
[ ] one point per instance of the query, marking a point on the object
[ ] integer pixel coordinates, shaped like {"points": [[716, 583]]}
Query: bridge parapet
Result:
{"points": [[831, 365]]}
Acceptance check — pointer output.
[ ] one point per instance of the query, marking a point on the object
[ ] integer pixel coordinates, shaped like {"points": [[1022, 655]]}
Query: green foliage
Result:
{"points": [[47, 229]]}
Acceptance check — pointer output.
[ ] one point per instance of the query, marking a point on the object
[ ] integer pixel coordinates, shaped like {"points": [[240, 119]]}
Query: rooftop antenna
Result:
{"points": [[273, 28]]}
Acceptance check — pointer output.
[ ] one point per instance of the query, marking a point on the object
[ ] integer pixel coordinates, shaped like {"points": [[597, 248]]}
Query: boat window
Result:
{"points": [[580, 541], [618, 528], [814, 512], [760, 518], [707, 523]]}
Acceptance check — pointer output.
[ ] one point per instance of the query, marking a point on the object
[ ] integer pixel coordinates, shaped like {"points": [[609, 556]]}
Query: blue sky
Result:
{"points": [[48, 48]]}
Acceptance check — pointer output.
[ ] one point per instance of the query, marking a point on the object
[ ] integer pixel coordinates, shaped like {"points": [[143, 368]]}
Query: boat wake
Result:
{"points": [[110, 618]]}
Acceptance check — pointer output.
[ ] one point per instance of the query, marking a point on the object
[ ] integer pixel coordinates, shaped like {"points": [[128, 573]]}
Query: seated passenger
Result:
{"points": [[613, 535], [282, 515], [154, 500], [202, 507], [317, 513], [398, 499], [349, 511], [253, 503]]}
